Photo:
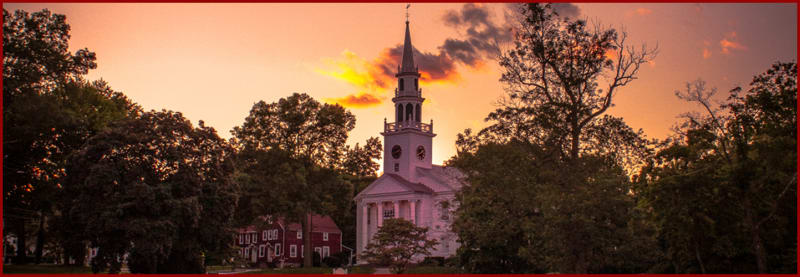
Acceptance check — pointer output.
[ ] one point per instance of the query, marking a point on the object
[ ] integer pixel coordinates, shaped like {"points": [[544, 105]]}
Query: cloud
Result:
{"points": [[639, 12], [566, 9], [361, 100], [374, 79], [728, 43]]}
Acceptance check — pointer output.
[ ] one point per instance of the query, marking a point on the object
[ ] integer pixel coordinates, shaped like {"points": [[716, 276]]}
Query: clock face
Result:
{"points": [[396, 151], [421, 152]]}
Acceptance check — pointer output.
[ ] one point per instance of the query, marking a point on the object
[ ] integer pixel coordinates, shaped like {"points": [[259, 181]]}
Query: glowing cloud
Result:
{"points": [[729, 44], [640, 12], [362, 100]]}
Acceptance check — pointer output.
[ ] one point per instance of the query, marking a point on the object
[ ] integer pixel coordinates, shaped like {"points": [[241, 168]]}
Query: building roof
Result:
{"points": [[446, 175], [416, 187], [320, 223]]}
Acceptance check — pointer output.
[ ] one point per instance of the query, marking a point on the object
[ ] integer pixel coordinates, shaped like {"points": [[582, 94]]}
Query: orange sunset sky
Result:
{"points": [[213, 61]]}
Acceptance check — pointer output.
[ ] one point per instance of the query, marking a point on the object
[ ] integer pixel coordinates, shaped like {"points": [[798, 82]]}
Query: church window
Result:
{"points": [[396, 167], [399, 112], [400, 84], [416, 83], [419, 114], [409, 112], [388, 213]]}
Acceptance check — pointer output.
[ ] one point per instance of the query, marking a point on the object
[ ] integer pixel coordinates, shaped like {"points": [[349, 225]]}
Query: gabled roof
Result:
{"points": [[446, 175], [321, 223], [415, 187]]}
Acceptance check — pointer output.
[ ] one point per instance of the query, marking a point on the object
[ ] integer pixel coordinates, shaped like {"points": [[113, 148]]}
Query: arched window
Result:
{"points": [[400, 84], [399, 112], [419, 114], [409, 112]]}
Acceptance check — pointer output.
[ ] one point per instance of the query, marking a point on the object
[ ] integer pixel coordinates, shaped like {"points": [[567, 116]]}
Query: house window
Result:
{"points": [[325, 236], [293, 251], [275, 234], [255, 237], [264, 235], [277, 249], [396, 167], [241, 239], [326, 251], [388, 213], [247, 253], [318, 250], [299, 234], [246, 239], [261, 250]]}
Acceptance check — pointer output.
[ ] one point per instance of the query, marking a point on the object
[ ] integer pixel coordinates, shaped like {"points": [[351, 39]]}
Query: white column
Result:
{"points": [[380, 213], [396, 209], [364, 227], [413, 215]]}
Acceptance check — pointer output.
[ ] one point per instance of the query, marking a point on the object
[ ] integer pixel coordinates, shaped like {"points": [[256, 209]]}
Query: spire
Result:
{"points": [[408, 53]]}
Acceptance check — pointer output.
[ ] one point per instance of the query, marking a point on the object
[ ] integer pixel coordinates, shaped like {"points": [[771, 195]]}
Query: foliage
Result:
{"points": [[434, 270], [560, 78], [723, 193], [154, 188], [397, 242], [332, 261], [297, 145]]}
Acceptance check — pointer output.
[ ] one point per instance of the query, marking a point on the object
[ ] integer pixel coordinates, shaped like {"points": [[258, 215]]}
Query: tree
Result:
{"points": [[561, 77], [36, 62], [570, 186], [297, 145], [156, 189], [734, 170], [397, 242]]}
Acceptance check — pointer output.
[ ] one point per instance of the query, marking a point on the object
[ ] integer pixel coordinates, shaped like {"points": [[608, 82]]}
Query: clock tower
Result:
{"points": [[407, 142]]}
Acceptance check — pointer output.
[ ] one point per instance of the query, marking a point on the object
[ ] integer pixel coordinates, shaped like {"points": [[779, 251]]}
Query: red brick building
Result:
{"points": [[275, 240]]}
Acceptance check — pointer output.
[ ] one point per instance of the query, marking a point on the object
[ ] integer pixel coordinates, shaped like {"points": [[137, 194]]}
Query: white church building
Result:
{"points": [[411, 187]]}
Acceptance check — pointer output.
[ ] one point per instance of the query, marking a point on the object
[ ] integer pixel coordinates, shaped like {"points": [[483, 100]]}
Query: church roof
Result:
{"points": [[446, 175], [416, 187], [408, 54]]}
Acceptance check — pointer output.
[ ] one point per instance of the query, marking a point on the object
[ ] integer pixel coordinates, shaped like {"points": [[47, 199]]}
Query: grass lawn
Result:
{"points": [[361, 270], [434, 270], [299, 270], [45, 269]]}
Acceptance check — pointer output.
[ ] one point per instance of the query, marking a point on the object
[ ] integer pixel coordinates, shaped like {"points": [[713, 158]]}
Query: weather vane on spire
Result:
{"points": [[407, 6]]}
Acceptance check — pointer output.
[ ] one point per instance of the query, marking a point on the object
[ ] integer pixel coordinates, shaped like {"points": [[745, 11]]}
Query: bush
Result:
{"points": [[332, 261], [316, 259], [344, 257], [432, 261], [451, 261]]}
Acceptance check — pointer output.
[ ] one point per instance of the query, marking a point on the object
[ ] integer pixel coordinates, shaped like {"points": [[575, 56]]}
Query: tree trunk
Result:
{"points": [[21, 257], [758, 245], [699, 260], [39, 240], [308, 257]]}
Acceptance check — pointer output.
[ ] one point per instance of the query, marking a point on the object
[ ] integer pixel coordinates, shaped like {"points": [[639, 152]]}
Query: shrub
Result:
{"points": [[332, 261], [432, 261]]}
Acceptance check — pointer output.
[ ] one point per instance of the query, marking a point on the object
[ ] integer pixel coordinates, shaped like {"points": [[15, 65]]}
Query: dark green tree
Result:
{"points": [[731, 176], [397, 242], [561, 78], [155, 188], [298, 144], [36, 61]]}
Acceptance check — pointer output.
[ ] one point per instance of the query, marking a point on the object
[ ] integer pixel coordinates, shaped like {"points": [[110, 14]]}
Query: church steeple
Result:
{"points": [[408, 54], [407, 141]]}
